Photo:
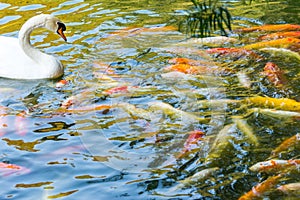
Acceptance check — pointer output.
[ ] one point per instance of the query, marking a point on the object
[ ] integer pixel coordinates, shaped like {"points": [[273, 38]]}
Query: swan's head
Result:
{"points": [[54, 24]]}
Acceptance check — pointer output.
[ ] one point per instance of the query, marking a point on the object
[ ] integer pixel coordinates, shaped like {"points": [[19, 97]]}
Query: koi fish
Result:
{"points": [[279, 43], [197, 177], [119, 89], [134, 111], [286, 53], [208, 41], [281, 103], [175, 113], [192, 62], [290, 189], [274, 36], [191, 69], [9, 169], [88, 108], [274, 74], [132, 31], [244, 127], [192, 139], [221, 143], [273, 166], [234, 52], [61, 83], [271, 27], [277, 113], [286, 144], [260, 189]]}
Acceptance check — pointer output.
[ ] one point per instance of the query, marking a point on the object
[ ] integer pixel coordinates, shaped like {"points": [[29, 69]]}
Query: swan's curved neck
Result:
{"points": [[24, 38]]}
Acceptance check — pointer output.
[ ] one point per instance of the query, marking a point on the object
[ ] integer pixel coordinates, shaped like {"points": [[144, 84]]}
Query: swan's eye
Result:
{"points": [[61, 26]]}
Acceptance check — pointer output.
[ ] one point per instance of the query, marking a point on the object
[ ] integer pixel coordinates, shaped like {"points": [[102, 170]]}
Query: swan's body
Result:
{"points": [[20, 60]]}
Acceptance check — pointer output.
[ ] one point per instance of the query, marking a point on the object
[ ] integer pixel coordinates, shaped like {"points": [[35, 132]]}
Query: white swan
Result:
{"points": [[20, 60]]}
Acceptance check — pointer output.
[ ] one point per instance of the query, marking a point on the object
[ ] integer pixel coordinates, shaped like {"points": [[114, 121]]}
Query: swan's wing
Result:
{"points": [[13, 59]]}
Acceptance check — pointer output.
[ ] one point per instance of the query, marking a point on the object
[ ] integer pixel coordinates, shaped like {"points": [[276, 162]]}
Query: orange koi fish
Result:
{"points": [[272, 166], [192, 62], [195, 70], [274, 36], [274, 74], [234, 52], [8, 169], [287, 43], [271, 27], [286, 144], [260, 189]]}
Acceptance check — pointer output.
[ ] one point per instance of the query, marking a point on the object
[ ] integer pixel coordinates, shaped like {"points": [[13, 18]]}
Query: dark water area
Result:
{"points": [[125, 126]]}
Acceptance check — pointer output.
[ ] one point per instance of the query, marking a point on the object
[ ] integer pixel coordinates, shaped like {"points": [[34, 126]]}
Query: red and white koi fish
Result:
{"points": [[273, 166], [274, 74], [192, 140], [119, 89], [260, 189], [61, 84]]}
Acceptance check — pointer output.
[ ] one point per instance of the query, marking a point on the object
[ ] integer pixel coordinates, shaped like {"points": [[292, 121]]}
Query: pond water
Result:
{"points": [[121, 126]]}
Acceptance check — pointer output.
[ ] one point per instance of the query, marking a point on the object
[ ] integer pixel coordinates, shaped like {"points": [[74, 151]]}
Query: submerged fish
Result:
{"points": [[259, 190], [119, 89], [233, 52], [290, 189], [281, 103], [276, 113], [175, 113], [286, 144], [275, 166], [208, 41], [192, 69], [221, 143], [271, 27], [244, 127], [274, 74], [273, 36], [286, 53], [198, 177], [192, 140], [279, 43]]}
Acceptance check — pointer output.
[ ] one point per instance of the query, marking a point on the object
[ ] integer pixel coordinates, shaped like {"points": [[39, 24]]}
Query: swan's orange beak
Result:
{"points": [[60, 32], [61, 29]]}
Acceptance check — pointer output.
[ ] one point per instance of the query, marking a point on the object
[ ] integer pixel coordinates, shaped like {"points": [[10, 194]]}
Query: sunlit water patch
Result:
{"points": [[125, 124]]}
